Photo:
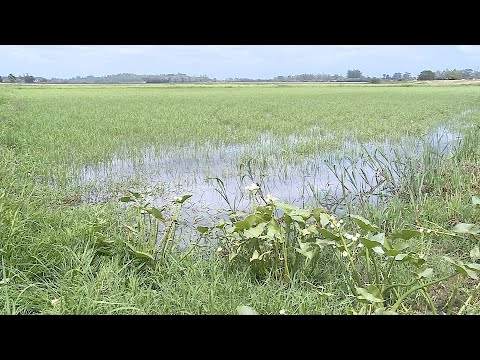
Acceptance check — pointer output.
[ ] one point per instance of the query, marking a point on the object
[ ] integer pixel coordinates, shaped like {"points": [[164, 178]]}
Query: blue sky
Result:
{"points": [[222, 61]]}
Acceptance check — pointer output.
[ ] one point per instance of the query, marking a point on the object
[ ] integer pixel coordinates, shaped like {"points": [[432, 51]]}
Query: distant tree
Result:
{"points": [[407, 76], [467, 74], [426, 75], [375, 80], [29, 79], [12, 78], [1, 80], [397, 76], [440, 75], [354, 74], [453, 74]]}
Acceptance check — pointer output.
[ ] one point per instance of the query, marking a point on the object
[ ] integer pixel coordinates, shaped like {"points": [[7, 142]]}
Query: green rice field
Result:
{"points": [[83, 166]]}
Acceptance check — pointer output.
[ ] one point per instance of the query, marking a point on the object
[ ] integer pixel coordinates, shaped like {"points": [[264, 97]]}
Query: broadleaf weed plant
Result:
{"points": [[283, 240]]}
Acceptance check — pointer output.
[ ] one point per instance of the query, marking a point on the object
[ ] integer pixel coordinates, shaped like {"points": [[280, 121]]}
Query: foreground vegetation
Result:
{"points": [[60, 255]]}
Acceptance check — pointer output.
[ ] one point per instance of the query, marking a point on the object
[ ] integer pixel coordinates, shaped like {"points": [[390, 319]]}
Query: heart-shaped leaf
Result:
{"points": [[369, 295], [424, 273], [255, 231]]}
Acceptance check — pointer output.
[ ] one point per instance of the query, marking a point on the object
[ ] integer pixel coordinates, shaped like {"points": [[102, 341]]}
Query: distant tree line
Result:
{"points": [[353, 75]]}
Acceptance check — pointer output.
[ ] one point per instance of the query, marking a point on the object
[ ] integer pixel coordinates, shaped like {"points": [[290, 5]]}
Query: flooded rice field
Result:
{"points": [[217, 176]]}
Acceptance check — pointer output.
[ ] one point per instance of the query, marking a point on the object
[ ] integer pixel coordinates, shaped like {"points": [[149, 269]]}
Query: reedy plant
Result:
{"points": [[152, 237]]}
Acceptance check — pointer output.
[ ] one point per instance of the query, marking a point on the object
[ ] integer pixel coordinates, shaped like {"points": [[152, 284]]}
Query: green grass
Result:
{"points": [[47, 251]]}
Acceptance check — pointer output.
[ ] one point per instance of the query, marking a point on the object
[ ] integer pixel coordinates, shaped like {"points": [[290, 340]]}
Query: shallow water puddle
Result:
{"points": [[304, 180]]}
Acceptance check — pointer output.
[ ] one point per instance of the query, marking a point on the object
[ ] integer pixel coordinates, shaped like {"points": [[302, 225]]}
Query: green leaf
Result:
{"points": [[328, 235], [415, 260], [286, 208], [396, 248], [126, 199], [324, 219], [298, 219], [237, 214], [370, 295], [466, 229], [475, 200], [369, 244], [405, 234], [248, 222], [156, 213], [400, 246], [424, 273], [378, 250], [255, 256], [312, 229], [264, 212], [140, 254], [462, 269], [246, 310], [232, 255], [475, 253], [305, 214], [222, 223], [273, 229], [324, 242], [254, 232], [380, 237], [202, 229], [306, 249], [184, 198], [401, 257], [364, 223], [317, 213], [382, 311], [136, 194], [392, 252], [473, 266]]}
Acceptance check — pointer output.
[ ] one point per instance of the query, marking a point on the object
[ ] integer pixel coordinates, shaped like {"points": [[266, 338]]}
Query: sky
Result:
{"points": [[224, 61]]}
